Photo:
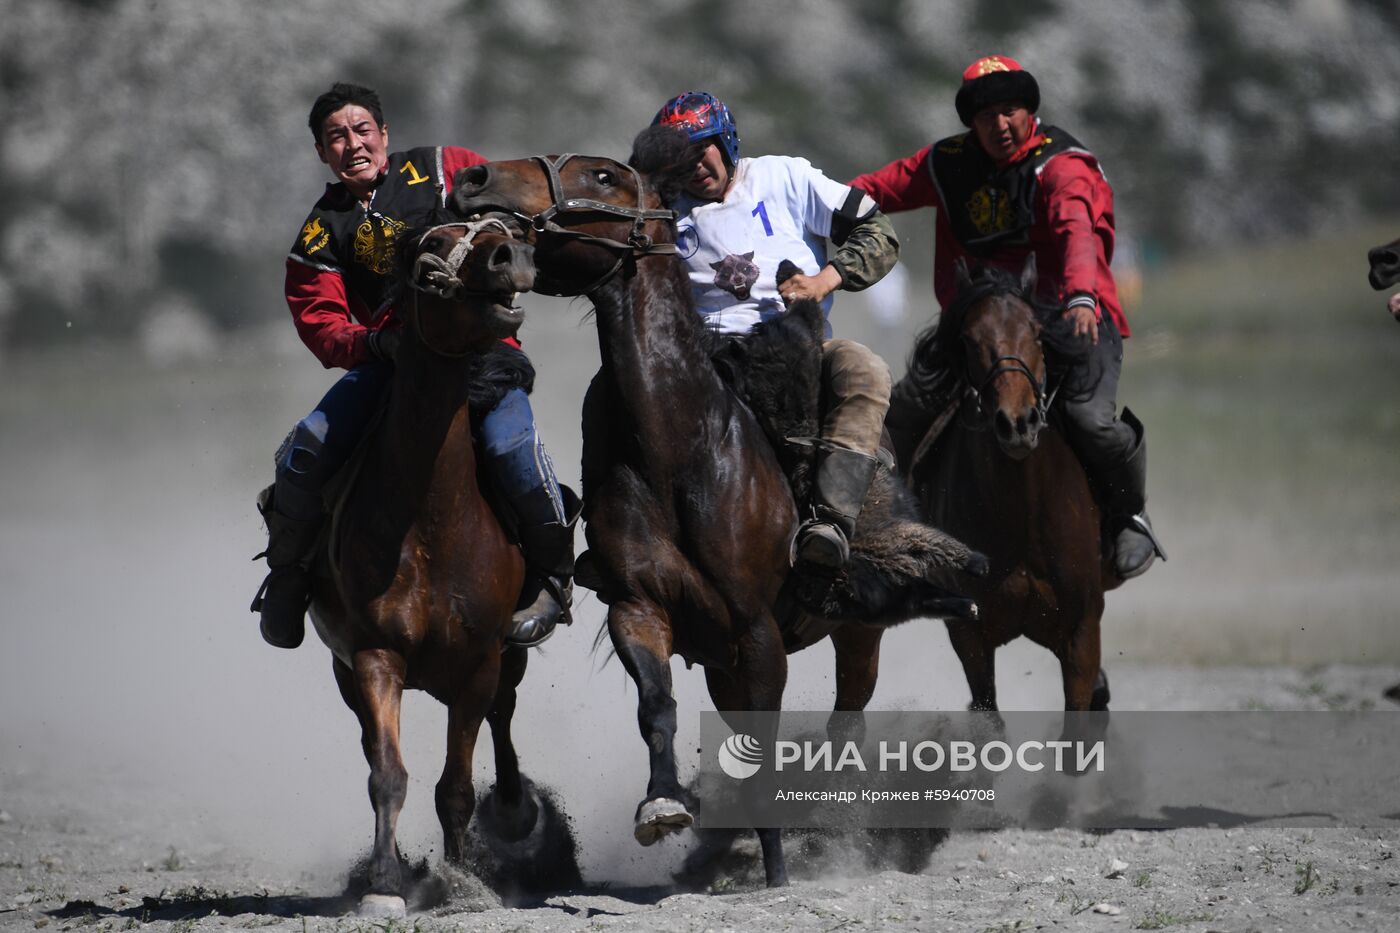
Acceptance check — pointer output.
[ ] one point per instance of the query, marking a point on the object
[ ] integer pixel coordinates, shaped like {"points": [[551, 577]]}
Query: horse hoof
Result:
{"points": [[382, 907], [660, 817]]}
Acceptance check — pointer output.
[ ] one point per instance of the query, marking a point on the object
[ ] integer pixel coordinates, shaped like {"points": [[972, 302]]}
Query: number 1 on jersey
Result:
{"points": [[762, 214]]}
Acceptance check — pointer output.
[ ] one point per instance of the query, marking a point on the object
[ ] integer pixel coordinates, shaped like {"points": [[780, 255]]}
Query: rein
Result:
{"points": [[441, 277], [637, 244]]}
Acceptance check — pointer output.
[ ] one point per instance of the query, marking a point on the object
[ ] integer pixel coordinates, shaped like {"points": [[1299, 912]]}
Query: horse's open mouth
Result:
{"points": [[505, 310]]}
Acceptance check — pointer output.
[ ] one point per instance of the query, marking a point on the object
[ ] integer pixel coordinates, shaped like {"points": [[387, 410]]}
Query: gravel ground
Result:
{"points": [[106, 849]]}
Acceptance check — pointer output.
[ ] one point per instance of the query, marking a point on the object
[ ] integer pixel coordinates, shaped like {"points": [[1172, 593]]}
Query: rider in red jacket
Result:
{"points": [[340, 289], [1010, 187]]}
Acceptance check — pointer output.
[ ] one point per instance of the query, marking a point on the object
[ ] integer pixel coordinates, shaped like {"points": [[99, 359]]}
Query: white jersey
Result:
{"points": [[776, 208]]}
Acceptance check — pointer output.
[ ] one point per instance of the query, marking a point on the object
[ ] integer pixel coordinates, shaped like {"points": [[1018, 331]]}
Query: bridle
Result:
{"points": [[1010, 363], [441, 277], [1014, 364], [637, 243]]}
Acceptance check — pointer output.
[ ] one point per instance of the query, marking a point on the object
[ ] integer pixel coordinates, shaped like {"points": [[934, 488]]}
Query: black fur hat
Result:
{"points": [[995, 79]]}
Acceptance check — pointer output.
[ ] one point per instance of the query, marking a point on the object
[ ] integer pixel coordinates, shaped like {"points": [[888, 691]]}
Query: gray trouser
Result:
{"points": [[1088, 405]]}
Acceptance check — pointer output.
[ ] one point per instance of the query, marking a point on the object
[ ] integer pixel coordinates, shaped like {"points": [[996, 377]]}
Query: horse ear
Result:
{"points": [[1028, 275], [961, 276]]}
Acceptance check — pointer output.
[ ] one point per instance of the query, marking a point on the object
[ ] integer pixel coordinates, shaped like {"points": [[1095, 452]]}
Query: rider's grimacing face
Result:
{"points": [[711, 178], [1002, 128], [355, 148]]}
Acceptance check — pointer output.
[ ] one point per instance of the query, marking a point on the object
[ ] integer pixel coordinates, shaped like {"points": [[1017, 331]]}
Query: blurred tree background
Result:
{"points": [[157, 161]]}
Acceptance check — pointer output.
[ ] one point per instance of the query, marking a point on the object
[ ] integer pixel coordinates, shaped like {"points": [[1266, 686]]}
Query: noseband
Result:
{"points": [[442, 277], [638, 243], [1014, 364], [434, 275]]}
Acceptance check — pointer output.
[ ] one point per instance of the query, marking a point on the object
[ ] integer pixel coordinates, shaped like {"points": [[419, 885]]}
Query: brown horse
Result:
{"points": [[689, 516], [418, 580], [1002, 477]]}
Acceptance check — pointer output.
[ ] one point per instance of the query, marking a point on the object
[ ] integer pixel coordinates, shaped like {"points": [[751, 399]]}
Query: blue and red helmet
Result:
{"points": [[702, 115]]}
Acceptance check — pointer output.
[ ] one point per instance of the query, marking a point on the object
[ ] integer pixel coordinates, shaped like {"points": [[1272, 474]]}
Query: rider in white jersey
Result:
{"points": [[776, 208], [737, 220]]}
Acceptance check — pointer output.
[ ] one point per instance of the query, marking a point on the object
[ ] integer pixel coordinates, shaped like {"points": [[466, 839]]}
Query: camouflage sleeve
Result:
{"points": [[870, 250]]}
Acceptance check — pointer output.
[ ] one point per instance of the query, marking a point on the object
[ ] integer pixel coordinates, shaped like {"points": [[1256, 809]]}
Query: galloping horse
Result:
{"points": [[1002, 477], [689, 515], [417, 582]]}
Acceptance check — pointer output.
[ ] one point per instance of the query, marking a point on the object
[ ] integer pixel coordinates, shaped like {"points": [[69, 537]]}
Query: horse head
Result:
{"points": [[463, 279], [1004, 360], [1385, 265], [586, 216]]}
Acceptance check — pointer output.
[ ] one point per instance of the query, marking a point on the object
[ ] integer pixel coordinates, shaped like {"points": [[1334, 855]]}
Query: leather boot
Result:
{"points": [[547, 595], [285, 593], [1124, 491], [843, 479]]}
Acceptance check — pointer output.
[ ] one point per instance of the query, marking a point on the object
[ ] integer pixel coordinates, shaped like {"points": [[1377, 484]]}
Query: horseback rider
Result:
{"points": [[737, 220], [340, 290], [1010, 187]]}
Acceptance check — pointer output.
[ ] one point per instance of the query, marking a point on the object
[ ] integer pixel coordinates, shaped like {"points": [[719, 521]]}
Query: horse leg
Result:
{"points": [[759, 686], [373, 688], [978, 657], [515, 812], [641, 635], [1079, 667], [1085, 685], [454, 795], [857, 650], [1099, 700]]}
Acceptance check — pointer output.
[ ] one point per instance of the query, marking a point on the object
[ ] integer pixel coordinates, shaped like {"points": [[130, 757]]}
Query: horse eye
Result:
{"points": [[605, 178]]}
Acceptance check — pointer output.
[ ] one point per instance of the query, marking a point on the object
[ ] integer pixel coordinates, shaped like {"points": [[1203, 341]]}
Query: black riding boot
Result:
{"points": [[283, 597], [1123, 489], [549, 571], [843, 479]]}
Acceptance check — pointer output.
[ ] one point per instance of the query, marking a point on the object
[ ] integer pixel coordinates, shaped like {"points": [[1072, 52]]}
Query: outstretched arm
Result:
{"points": [[868, 252]]}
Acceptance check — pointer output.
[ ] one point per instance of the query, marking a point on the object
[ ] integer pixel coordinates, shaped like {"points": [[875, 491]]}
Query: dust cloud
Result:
{"points": [[130, 660]]}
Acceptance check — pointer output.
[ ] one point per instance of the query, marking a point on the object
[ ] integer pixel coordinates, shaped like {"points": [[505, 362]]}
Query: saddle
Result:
{"points": [[489, 377]]}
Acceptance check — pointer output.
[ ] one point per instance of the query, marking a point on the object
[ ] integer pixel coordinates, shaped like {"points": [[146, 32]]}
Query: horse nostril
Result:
{"points": [[474, 177], [1002, 426], [501, 257], [1033, 419]]}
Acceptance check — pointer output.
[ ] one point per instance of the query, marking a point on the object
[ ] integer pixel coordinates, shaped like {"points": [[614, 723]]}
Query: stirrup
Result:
{"points": [[1144, 528]]}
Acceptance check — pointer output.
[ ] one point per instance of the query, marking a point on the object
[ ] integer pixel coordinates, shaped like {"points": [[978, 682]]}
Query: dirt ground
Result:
{"points": [[161, 768], [101, 847]]}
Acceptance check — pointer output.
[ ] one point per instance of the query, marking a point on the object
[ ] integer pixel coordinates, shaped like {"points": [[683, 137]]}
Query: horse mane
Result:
{"points": [[934, 368], [667, 158]]}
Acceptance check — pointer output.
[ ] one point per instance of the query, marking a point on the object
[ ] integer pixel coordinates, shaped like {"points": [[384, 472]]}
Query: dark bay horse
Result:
{"points": [[690, 518], [418, 580], [1002, 477]]}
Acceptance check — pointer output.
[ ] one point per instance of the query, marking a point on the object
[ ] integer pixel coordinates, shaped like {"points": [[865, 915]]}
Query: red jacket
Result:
{"points": [[339, 269], [1071, 234]]}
